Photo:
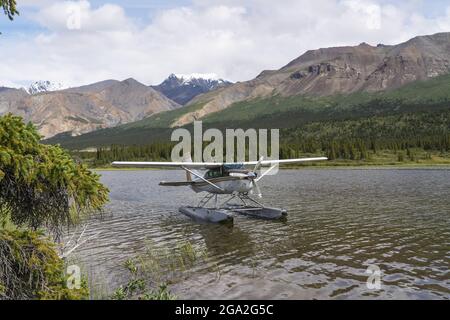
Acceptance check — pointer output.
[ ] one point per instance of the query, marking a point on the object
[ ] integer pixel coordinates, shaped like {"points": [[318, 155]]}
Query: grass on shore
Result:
{"points": [[5, 221], [415, 158], [385, 158]]}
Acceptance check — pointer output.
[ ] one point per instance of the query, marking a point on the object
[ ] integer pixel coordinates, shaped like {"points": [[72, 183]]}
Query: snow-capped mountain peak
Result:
{"points": [[45, 86], [196, 76], [184, 87]]}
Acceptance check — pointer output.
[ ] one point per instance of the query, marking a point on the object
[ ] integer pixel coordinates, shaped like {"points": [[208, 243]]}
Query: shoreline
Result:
{"points": [[415, 166]]}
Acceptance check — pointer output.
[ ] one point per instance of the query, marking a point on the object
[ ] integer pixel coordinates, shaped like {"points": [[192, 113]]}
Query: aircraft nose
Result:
{"points": [[252, 175]]}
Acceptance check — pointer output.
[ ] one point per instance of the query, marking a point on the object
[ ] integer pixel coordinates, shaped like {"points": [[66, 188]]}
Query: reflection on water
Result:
{"points": [[339, 223]]}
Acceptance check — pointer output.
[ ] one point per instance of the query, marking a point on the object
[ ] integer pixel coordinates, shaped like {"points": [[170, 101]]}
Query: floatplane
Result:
{"points": [[232, 179]]}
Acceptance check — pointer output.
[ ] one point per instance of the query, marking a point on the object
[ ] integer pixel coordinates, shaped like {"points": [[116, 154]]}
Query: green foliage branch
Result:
{"points": [[40, 185]]}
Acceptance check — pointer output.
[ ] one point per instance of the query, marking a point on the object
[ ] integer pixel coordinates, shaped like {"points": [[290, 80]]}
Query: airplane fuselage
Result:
{"points": [[228, 185]]}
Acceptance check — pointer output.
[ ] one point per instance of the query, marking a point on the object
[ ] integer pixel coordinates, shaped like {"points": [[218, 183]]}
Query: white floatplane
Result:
{"points": [[232, 179]]}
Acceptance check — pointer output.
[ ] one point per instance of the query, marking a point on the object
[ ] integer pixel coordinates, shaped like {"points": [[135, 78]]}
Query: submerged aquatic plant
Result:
{"points": [[137, 287], [159, 267], [168, 265]]}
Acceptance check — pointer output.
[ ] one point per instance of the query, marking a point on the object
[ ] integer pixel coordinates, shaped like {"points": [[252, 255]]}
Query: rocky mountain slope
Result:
{"points": [[183, 88], [424, 104], [80, 110], [341, 70]]}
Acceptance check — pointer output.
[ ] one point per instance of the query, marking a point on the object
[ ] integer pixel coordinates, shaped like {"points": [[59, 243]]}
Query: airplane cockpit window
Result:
{"points": [[213, 173], [233, 166]]}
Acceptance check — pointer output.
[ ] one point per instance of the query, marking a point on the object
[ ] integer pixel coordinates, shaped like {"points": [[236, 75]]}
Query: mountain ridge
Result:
{"points": [[87, 108], [420, 98], [325, 72], [337, 70]]}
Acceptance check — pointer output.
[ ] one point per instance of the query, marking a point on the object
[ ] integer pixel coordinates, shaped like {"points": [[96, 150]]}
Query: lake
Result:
{"points": [[340, 222]]}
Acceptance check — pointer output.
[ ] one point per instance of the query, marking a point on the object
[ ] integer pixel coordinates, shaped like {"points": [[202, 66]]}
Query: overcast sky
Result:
{"points": [[80, 42]]}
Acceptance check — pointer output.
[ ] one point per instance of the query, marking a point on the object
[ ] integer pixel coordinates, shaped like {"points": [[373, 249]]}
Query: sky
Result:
{"points": [[81, 42]]}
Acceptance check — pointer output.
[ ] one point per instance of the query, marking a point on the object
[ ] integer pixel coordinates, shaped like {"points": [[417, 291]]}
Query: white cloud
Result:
{"points": [[34, 3], [61, 16], [233, 39], [368, 11], [444, 22]]}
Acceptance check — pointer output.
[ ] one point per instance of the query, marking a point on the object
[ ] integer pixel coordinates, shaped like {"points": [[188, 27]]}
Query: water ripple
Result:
{"points": [[339, 223]]}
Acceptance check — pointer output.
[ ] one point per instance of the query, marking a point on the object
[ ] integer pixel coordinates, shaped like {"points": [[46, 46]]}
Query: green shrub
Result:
{"points": [[41, 188], [40, 185], [30, 268]]}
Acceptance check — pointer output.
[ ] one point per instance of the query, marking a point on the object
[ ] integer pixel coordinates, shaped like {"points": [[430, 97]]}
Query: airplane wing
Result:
{"points": [[285, 161], [176, 183], [191, 165], [208, 165]]}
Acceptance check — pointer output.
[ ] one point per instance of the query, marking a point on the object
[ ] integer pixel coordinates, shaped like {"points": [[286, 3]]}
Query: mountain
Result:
{"points": [[321, 85], [340, 70], [183, 88], [44, 86], [423, 104], [80, 110], [132, 97], [331, 84], [2, 89], [94, 87], [8, 96]]}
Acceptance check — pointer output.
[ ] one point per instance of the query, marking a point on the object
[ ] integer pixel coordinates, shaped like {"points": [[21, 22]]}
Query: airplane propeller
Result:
{"points": [[253, 176], [258, 164], [258, 190]]}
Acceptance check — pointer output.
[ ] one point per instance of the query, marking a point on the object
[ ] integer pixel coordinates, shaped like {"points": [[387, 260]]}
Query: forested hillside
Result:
{"points": [[350, 127]]}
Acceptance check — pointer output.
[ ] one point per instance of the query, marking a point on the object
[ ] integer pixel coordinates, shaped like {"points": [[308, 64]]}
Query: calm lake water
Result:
{"points": [[339, 222]]}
